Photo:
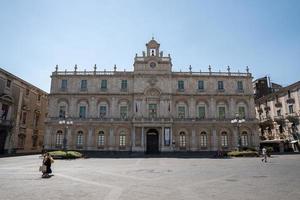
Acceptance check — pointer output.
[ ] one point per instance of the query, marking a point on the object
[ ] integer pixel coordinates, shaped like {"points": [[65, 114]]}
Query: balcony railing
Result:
{"points": [[145, 119]]}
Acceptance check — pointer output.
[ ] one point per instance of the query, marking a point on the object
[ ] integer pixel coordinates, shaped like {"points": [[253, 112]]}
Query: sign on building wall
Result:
{"points": [[167, 136]]}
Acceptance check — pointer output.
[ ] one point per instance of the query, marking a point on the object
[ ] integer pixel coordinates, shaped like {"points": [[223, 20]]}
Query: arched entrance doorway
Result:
{"points": [[3, 134], [152, 141]]}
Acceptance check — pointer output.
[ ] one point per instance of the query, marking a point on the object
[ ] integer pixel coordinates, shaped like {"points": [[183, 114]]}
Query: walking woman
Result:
{"points": [[47, 162]]}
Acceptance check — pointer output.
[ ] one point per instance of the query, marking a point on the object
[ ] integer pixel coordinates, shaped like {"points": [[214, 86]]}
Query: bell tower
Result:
{"points": [[152, 61], [152, 48]]}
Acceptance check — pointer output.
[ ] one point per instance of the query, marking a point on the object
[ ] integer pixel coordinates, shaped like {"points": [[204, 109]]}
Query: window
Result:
{"points": [[240, 86], [27, 92], [36, 120], [182, 140], [122, 140], [59, 138], [62, 111], [24, 116], [124, 85], [64, 84], [181, 111], [201, 110], [80, 138], [123, 111], [244, 139], [4, 111], [203, 139], [101, 138], [180, 85], [152, 110], [103, 111], [222, 112], [291, 109], [8, 83], [82, 112], [21, 140], [83, 86], [39, 97], [200, 85], [242, 113], [220, 85], [34, 141], [224, 139], [103, 84], [289, 94]]}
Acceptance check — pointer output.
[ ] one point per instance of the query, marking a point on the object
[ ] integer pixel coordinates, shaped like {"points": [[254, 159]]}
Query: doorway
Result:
{"points": [[3, 135], [152, 142]]}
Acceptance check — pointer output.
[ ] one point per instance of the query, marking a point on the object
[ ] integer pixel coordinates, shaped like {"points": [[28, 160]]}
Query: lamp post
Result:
{"points": [[67, 122], [237, 122]]}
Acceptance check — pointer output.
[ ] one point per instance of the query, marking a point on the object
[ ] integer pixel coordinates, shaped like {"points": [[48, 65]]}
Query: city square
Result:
{"points": [[152, 178]]}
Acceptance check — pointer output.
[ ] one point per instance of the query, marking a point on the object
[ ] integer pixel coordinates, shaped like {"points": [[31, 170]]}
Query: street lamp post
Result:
{"points": [[237, 122], [67, 122]]}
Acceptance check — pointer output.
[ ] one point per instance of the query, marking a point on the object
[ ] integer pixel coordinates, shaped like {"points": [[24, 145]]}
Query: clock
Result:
{"points": [[152, 64]]}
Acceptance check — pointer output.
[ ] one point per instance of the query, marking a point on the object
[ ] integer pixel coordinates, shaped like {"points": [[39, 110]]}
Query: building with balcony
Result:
{"points": [[278, 113], [22, 115], [150, 109]]}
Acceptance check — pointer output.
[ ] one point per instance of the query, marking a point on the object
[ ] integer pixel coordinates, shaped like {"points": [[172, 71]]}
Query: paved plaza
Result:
{"points": [[152, 178]]}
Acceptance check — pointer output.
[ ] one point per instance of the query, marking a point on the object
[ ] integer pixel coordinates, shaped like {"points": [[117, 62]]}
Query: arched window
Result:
{"points": [[203, 139], [21, 140], [59, 138], [101, 138], [244, 139], [122, 139], [224, 139], [79, 138], [182, 139]]}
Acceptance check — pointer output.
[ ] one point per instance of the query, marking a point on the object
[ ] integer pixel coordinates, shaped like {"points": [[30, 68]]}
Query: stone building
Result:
{"points": [[22, 115], [278, 114], [150, 109]]}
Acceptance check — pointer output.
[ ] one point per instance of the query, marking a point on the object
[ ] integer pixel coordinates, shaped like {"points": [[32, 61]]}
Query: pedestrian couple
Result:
{"points": [[46, 167]]}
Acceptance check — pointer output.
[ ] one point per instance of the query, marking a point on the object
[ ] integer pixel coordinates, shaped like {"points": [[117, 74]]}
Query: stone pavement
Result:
{"points": [[152, 178]]}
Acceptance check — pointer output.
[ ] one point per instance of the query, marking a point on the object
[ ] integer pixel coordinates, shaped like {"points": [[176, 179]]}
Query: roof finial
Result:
{"points": [[56, 68], [247, 69], [152, 36], [190, 68], [115, 67]]}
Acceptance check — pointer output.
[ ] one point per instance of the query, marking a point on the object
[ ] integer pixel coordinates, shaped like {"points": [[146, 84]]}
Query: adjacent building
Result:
{"points": [[150, 109], [23, 108], [279, 112]]}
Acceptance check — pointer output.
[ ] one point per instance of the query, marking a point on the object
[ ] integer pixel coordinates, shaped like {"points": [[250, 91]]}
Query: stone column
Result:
{"points": [[232, 108], [47, 138], [235, 138], [193, 140], [143, 139], [114, 108], [90, 139], [192, 107], [214, 140], [69, 139], [111, 139], [133, 137], [162, 138], [212, 107], [93, 109]]}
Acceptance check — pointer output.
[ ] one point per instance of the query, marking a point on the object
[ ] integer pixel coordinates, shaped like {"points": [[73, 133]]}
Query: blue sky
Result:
{"points": [[35, 35]]}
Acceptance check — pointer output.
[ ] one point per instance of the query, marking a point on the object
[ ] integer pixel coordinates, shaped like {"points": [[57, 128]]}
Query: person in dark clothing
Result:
{"points": [[47, 162]]}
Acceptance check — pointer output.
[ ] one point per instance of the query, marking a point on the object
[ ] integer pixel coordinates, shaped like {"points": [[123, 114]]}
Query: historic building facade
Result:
{"points": [[22, 115], [150, 109], [279, 114]]}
